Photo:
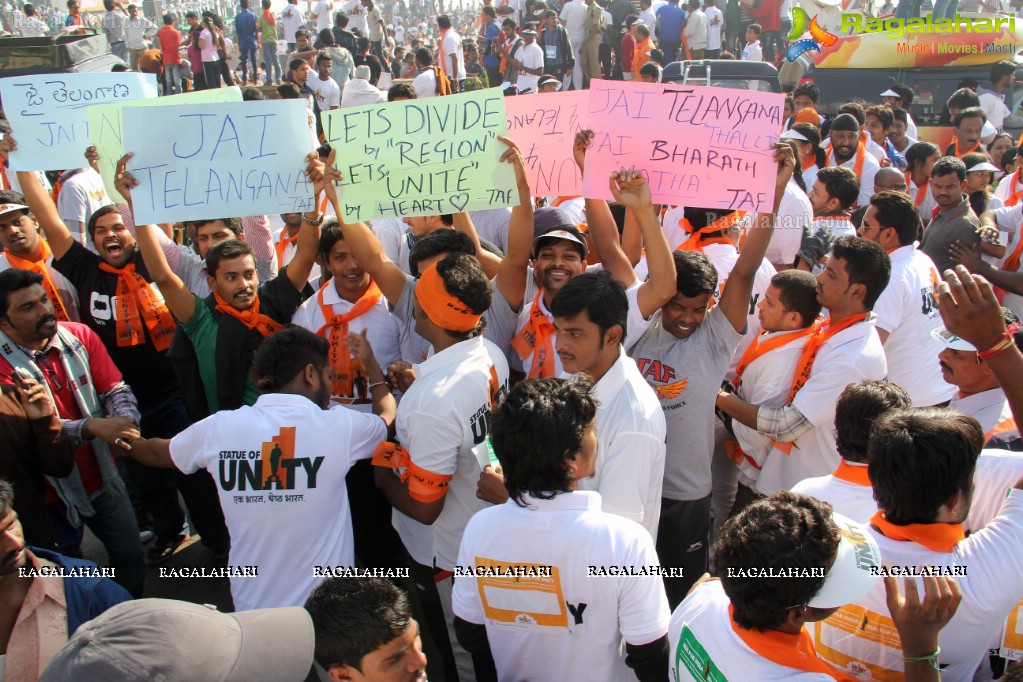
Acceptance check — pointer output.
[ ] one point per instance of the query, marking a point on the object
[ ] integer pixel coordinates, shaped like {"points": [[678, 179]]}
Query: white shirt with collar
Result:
{"points": [[300, 521], [989, 407], [574, 16], [443, 415], [425, 84], [794, 214], [869, 170], [381, 330], [630, 445], [992, 583], [848, 498], [851, 355], [907, 309], [927, 203], [537, 627]]}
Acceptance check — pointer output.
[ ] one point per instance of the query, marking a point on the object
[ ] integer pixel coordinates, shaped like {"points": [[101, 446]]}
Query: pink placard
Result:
{"points": [[698, 146], [544, 127]]}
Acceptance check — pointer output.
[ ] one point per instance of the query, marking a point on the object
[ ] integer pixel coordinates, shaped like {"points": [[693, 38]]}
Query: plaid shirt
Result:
{"points": [[783, 424]]}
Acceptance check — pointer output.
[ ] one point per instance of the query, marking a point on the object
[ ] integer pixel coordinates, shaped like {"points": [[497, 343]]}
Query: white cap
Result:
{"points": [[950, 340], [793, 135], [890, 93], [7, 208], [850, 577], [988, 132], [983, 166]]}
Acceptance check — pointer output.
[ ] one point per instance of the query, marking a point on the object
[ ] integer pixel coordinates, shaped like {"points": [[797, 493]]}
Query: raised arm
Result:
{"points": [[366, 248], [308, 244], [180, 301], [735, 300], [490, 262], [630, 188], [514, 268], [41, 205], [601, 223]]}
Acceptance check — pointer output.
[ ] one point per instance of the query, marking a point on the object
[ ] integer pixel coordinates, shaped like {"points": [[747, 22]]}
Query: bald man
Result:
{"points": [[890, 179]]}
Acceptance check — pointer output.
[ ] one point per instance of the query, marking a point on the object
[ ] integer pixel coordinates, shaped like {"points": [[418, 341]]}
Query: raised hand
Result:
{"points": [[583, 139], [630, 188], [124, 181], [969, 308]]}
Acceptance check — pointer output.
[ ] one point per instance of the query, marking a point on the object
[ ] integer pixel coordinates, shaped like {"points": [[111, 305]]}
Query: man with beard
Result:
{"points": [[832, 196], [310, 525], [25, 248], [97, 408], [848, 149], [42, 610], [136, 327]]}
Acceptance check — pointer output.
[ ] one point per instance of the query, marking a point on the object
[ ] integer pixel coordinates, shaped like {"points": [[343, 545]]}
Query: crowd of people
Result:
{"points": [[570, 439]]}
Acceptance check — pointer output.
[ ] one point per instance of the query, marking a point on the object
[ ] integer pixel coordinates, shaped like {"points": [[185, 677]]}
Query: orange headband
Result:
{"points": [[443, 309]]}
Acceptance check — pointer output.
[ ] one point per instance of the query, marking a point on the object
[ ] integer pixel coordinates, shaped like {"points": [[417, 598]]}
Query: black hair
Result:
{"points": [[341, 19], [168, 19], [644, 29], [935, 445], [858, 406], [970, 112], [15, 279], [905, 94], [1000, 70], [948, 165], [252, 95], [1009, 156], [866, 263], [9, 196], [897, 210], [424, 56], [436, 243], [900, 114], [402, 90], [353, 617], [756, 28], [330, 234], [596, 293], [465, 280], [841, 184], [813, 136], [6, 497], [296, 64], [650, 69], [226, 250], [798, 294], [326, 37], [882, 114], [444, 21], [321, 56], [233, 224], [695, 274], [855, 110], [490, 11], [809, 89], [96, 215], [288, 91], [963, 98], [284, 355], [536, 430], [919, 153], [784, 530]]}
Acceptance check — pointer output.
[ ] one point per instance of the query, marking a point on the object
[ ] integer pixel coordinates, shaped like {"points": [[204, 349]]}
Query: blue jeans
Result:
{"points": [[945, 9], [211, 70], [270, 61], [248, 54], [908, 9], [172, 79], [120, 49]]}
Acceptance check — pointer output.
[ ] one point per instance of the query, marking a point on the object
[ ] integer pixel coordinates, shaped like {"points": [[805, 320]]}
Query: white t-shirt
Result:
{"points": [[80, 196], [696, 30], [701, 635], [908, 309], [714, 31], [322, 12], [795, 213], [992, 584], [531, 58], [630, 445], [927, 203], [399, 35], [291, 21], [1009, 219], [357, 16], [425, 84], [994, 107], [851, 355], [289, 520], [382, 333], [848, 498], [574, 16], [444, 414], [451, 44], [752, 52], [867, 173], [328, 93], [766, 381], [990, 407], [537, 626]]}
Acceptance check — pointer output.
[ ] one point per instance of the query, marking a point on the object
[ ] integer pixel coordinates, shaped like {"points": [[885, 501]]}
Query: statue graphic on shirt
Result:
{"points": [[275, 463]]}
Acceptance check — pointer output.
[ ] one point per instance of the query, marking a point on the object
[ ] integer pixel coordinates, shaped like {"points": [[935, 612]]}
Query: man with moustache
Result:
{"points": [[847, 149], [40, 611], [952, 219], [97, 408]]}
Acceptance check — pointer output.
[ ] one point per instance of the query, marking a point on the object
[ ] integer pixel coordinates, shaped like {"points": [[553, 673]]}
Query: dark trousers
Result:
{"points": [[670, 51], [606, 65], [744, 497], [769, 40], [712, 54], [682, 542], [211, 70], [198, 80], [494, 76], [248, 55], [440, 660]]}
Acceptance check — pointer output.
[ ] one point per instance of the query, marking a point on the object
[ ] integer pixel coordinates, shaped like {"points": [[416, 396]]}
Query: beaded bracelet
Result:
{"points": [[932, 659]]}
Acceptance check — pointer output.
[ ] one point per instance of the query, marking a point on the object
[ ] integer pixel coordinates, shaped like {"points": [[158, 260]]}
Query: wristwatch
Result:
{"points": [[315, 222]]}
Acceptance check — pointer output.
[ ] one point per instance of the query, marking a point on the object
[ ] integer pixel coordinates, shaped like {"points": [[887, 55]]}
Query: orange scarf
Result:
{"points": [[39, 267], [137, 303], [283, 243], [335, 330], [807, 165], [443, 84], [790, 651], [250, 318], [1014, 194], [537, 337], [937, 537], [1011, 263], [823, 333], [696, 241], [850, 474], [756, 349], [269, 17], [959, 154], [6, 184], [861, 151], [560, 200], [921, 192]]}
